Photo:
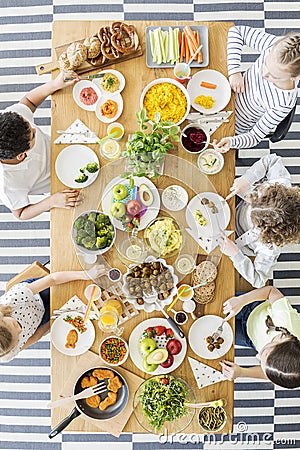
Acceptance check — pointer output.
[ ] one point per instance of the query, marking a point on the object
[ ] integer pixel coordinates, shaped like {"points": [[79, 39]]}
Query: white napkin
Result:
{"points": [[211, 122], [207, 243], [77, 127], [205, 375], [75, 304]]}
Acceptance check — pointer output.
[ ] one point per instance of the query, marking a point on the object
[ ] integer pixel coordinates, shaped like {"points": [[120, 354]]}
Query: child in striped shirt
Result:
{"points": [[267, 91]]}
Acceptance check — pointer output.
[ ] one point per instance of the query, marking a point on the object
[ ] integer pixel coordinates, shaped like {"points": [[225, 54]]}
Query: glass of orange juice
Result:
{"points": [[109, 316]]}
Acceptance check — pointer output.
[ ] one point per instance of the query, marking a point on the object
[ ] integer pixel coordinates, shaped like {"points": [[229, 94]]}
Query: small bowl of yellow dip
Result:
{"points": [[111, 82], [167, 97]]}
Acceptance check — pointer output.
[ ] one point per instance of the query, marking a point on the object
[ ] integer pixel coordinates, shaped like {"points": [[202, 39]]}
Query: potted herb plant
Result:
{"points": [[145, 152]]}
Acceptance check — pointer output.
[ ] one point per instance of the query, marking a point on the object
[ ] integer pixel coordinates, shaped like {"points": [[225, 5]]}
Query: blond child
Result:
{"points": [[25, 312], [278, 345], [267, 91]]}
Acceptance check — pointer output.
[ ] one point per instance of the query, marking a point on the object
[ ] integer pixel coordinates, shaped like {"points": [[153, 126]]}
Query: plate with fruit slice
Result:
{"points": [[154, 348], [131, 203]]}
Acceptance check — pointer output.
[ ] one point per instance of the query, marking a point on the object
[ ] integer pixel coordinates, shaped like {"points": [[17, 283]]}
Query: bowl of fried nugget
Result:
{"points": [[113, 396]]}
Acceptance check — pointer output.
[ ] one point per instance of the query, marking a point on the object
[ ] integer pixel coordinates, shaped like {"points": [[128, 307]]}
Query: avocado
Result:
{"points": [[158, 356], [146, 195]]}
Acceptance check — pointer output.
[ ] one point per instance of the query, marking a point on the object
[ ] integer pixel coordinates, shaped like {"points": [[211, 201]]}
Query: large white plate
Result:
{"points": [[216, 222], [60, 329], [114, 97], [134, 345], [70, 160], [150, 214], [78, 88], [221, 94], [202, 328], [119, 75]]}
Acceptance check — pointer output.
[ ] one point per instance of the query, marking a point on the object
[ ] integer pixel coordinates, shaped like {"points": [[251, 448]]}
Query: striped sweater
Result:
{"points": [[262, 105]]}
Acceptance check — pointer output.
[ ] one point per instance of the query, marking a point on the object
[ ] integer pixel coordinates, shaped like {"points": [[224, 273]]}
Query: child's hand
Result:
{"points": [[236, 82], [239, 185], [60, 82], [227, 246], [64, 199], [230, 370], [223, 146], [232, 307]]}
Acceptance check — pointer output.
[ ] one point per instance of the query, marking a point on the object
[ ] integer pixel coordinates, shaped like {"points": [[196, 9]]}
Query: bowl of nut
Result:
{"points": [[148, 282]]}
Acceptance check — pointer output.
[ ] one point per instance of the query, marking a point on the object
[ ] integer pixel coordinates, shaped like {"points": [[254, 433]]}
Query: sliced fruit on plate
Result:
{"points": [[158, 356], [146, 195]]}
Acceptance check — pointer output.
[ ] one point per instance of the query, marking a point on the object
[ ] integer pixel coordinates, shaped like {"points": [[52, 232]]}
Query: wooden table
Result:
{"points": [[63, 256]]}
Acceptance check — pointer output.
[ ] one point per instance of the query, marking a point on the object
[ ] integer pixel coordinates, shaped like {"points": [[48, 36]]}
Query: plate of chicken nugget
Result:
{"points": [[71, 335]]}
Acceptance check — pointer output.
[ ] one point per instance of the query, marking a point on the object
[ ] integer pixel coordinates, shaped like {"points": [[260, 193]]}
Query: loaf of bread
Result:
{"points": [[93, 46], [77, 53]]}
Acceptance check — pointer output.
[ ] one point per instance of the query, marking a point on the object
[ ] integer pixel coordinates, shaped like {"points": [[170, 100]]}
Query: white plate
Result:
{"points": [[60, 329], [134, 345], [175, 197], [119, 75], [70, 160], [221, 94], [114, 97], [150, 214], [78, 88], [149, 304], [202, 328], [170, 81], [217, 221]]}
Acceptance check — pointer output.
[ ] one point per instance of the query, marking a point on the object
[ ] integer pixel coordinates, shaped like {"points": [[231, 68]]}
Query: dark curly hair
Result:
{"points": [[275, 210], [14, 135]]}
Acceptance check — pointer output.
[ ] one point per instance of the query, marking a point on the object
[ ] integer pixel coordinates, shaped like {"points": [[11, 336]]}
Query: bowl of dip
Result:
{"points": [[210, 162], [194, 138]]}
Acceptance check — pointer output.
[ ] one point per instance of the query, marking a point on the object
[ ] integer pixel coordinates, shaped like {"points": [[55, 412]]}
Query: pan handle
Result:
{"points": [[64, 423]]}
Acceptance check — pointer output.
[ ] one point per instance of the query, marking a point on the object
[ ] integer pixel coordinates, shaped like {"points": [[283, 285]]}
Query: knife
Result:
{"points": [[173, 325], [86, 77]]}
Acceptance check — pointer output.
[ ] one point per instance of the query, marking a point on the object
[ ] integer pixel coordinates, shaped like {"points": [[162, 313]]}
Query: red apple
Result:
{"points": [[174, 346], [168, 362], [133, 207]]}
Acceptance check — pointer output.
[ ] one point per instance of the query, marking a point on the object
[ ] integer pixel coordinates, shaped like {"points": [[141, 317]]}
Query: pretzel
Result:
{"points": [[120, 33], [107, 49]]}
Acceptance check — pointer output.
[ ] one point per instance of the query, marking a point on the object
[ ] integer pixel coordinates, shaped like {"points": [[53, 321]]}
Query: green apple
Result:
{"points": [[119, 191], [118, 210], [149, 367], [147, 345]]}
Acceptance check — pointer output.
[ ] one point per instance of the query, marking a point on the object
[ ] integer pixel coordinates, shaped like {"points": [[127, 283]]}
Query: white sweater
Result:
{"points": [[262, 105]]}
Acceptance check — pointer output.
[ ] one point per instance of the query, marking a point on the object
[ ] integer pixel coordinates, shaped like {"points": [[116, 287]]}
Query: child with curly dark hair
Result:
{"points": [[267, 217], [266, 321], [25, 155]]}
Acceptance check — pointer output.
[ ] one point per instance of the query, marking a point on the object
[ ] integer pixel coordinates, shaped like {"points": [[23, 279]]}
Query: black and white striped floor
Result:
{"points": [[265, 417]]}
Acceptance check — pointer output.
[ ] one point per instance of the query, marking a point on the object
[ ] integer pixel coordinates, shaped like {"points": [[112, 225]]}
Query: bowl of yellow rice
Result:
{"points": [[168, 97]]}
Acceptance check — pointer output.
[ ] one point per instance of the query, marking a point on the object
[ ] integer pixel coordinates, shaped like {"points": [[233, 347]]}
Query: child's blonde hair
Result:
{"points": [[275, 211], [288, 52], [5, 334]]}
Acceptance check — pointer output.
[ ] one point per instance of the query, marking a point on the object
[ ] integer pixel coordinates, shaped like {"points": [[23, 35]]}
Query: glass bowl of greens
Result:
{"points": [[93, 232], [159, 404]]}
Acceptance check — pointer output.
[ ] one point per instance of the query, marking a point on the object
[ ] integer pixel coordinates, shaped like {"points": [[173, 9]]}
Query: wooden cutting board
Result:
{"points": [[115, 425], [86, 66]]}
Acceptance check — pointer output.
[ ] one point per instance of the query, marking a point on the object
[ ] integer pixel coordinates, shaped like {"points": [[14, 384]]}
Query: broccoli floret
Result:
{"points": [[83, 169], [92, 167], [79, 222], [102, 232], [101, 242], [101, 218], [82, 233], [81, 178], [88, 242], [89, 227], [92, 217]]}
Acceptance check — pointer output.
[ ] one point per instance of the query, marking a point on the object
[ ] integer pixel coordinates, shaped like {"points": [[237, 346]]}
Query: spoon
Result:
{"points": [[190, 61], [107, 137]]}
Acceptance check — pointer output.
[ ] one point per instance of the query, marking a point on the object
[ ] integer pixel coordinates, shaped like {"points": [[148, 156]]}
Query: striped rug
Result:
{"points": [[265, 417]]}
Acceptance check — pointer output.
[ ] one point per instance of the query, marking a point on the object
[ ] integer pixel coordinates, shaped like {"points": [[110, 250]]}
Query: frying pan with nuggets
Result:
{"points": [[81, 407]]}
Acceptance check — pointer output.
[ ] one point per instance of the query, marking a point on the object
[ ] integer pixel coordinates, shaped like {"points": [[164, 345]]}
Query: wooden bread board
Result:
{"points": [[116, 424], [86, 66]]}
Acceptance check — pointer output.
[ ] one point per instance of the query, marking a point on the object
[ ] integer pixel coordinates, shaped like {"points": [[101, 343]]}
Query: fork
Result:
{"points": [[218, 333], [88, 392], [82, 133]]}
